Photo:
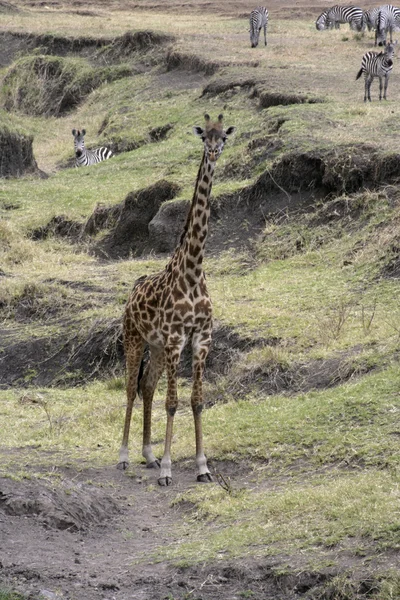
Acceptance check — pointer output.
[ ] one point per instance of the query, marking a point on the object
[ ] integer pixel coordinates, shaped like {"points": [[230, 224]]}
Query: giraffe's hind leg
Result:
{"points": [[152, 374], [134, 354]]}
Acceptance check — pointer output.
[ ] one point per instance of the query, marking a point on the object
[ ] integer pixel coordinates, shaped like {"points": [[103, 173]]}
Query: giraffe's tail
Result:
{"points": [[141, 370]]}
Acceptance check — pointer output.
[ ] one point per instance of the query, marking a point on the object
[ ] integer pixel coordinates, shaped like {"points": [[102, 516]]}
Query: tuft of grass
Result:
{"points": [[6, 594]]}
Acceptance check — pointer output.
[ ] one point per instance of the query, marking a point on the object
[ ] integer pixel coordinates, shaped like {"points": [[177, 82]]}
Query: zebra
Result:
{"points": [[258, 19], [323, 23], [377, 65], [85, 157], [347, 14], [387, 20], [370, 17]]}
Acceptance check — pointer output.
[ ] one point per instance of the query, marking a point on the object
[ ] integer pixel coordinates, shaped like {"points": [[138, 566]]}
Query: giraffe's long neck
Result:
{"points": [[194, 240], [188, 257]]}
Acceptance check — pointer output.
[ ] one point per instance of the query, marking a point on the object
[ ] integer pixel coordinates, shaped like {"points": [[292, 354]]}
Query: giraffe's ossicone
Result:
{"points": [[166, 310]]}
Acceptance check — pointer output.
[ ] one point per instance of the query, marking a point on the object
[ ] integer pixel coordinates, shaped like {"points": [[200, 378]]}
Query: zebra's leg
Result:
{"points": [[368, 81], [366, 87], [265, 34], [386, 85], [381, 88]]}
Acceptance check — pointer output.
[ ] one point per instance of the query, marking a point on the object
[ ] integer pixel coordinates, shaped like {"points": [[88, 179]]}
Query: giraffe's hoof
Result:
{"points": [[204, 478], [156, 464], [123, 465], [163, 481]]}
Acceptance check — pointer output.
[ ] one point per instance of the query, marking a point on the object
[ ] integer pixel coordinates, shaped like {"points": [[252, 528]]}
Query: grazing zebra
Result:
{"points": [[377, 65], [258, 19], [334, 16], [370, 17], [322, 22], [347, 14], [387, 20], [85, 157]]}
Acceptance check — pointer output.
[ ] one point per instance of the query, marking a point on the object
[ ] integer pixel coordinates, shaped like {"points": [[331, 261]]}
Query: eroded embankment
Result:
{"points": [[148, 221]]}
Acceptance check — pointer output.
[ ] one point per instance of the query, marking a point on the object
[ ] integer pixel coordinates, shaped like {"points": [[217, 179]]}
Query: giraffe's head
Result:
{"points": [[79, 141], [214, 137]]}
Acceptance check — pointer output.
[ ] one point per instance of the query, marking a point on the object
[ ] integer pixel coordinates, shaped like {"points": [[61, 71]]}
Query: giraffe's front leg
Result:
{"points": [[148, 385], [200, 345]]}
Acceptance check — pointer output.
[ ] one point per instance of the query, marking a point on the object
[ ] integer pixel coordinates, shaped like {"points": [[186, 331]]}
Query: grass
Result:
{"points": [[319, 470], [324, 461], [9, 595]]}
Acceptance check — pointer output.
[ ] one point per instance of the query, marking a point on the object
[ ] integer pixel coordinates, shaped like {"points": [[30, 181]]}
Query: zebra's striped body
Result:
{"points": [[388, 19], [258, 20], [377, 65], [370, 17], [85, 157], [334, 16]]}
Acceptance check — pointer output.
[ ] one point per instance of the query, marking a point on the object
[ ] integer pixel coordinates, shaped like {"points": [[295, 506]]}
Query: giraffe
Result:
{"points": [[165, 310]]}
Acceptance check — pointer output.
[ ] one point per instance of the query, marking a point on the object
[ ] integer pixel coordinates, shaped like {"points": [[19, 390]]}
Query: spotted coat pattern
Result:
{"points": [[166, 310]]}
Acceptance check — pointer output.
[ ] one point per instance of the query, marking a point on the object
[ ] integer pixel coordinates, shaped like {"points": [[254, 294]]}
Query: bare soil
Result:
{"points": [[94, 535]]}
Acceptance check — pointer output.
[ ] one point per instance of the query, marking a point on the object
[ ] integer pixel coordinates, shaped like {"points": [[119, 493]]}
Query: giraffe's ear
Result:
{"points": [[74, 132], [198, 131], [83, 131], [230, 130]]}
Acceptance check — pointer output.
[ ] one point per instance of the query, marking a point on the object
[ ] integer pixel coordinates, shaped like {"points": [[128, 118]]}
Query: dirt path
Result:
{"points": [[96, 534]]}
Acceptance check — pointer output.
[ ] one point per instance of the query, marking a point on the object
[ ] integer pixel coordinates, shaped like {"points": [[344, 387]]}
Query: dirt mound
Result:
{"points": [[214, 88], [16, 154], [345, 169], [96, 50], [154, 135], [191, 62], [131, 233], [84, 354], [274, 378], [6, 7], [268, 99], [74, 357], [392, 268], [130, 43], [52, 86], [14, 44], [226, 348], [59, 226], [71, 506]]}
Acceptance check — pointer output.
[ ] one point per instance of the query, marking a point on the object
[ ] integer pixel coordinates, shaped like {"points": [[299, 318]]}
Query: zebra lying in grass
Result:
{"points": [[85, 157], [334, 16], [258, 19], [377, 65]]}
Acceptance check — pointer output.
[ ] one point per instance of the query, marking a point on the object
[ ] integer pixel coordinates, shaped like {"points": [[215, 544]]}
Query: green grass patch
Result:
{"points": [[322, 512]]}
